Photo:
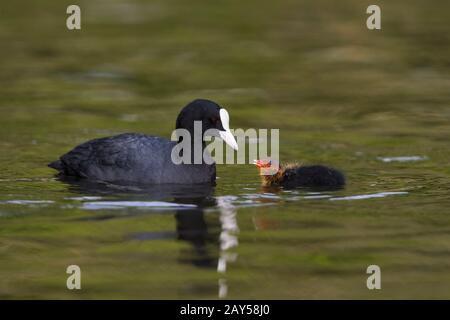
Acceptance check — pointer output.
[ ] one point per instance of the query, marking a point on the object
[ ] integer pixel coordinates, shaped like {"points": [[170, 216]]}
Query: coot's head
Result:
{"points": [[213, 117]]}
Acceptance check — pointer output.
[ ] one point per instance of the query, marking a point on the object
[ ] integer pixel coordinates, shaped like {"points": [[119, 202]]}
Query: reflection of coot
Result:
{"points": [[193, 228], [191, 225], [204, 237], [178, 193]]}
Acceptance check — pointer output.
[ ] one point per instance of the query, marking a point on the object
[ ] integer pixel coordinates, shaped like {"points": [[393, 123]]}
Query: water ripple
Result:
{"points": [[402, 159], [372, 195], [27, 202], [159, 205]]}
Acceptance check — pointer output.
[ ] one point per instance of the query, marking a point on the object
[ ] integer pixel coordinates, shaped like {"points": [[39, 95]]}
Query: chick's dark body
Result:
{"points": [[311, 176]]}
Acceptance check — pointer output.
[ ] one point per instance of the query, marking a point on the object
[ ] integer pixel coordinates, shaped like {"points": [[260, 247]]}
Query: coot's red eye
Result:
{"points": [[214, 121]]}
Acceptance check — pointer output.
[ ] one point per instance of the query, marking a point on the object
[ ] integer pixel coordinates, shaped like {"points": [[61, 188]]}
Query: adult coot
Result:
{"points": [[294, 175], [143, 159]]}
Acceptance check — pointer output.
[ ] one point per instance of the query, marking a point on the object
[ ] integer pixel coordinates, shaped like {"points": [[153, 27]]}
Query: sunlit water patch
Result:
{"points": [[403, 159], [85, 198], [156, 205], [370, 196], [26, 202]]}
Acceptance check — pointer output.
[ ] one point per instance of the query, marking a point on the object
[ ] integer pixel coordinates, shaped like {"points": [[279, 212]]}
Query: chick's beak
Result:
{"points": [[257, 163], [261, 163]]}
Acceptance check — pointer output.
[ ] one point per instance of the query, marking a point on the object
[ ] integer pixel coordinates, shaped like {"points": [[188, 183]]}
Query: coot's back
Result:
{"points": [[132, 158]]}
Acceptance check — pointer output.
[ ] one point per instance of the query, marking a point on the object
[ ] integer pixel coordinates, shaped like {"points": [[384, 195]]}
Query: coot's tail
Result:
{"points": [[56, 165]]}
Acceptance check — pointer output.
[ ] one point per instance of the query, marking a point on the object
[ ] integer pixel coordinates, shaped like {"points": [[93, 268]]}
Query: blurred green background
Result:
{"points": [[339, 93]]}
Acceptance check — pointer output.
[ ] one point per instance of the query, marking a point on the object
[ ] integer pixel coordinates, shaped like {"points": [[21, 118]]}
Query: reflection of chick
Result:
{"points": [[294, 175]]}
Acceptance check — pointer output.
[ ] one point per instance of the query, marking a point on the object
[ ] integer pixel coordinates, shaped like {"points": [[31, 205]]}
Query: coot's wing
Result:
{"points": [[119, 158]]}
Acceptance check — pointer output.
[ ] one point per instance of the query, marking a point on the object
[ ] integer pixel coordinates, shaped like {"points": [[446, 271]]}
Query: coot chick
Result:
{"points": [[143, 159], [294, 175]]}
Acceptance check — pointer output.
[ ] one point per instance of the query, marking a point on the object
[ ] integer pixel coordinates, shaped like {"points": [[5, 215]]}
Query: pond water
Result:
{"points": [[373, 103]]}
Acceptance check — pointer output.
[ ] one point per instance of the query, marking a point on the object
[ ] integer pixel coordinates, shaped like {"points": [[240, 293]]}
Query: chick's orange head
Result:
{"points": [[267, 167], [262, 163]]}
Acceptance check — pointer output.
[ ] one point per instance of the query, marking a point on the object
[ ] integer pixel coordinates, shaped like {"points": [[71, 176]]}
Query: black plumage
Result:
{"points": [[312, 176]]}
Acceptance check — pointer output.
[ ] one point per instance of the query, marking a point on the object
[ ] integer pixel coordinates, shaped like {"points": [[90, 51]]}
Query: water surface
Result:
{"points": [[375, 104]]}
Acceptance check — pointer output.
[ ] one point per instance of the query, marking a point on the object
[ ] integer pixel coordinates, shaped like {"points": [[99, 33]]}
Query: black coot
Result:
{"points": [[144, 159], [293, 175]]}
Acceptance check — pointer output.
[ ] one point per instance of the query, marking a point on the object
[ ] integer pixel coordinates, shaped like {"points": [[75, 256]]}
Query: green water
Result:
{"points": [[340, 94]]}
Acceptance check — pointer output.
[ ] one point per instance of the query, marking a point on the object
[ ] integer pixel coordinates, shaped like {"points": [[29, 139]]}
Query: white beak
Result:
{"points": [[229, 139], [226, 135]]}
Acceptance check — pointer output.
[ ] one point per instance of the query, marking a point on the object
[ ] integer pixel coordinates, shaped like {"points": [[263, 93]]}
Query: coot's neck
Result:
{"points": [[193, 147]]}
